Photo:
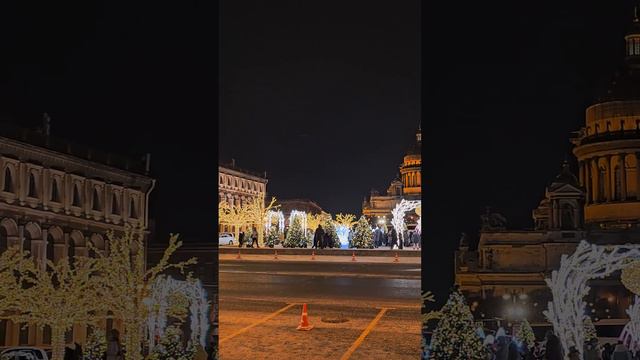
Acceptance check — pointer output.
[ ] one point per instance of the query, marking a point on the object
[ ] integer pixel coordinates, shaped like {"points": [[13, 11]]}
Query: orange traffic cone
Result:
{"points": [[353, 256], [313, 255], [238, 257], [396, 259], [304, 319], [276, 255]]}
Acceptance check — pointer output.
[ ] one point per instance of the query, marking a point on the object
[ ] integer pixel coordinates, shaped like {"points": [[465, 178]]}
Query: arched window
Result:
{"points": [[46, 335], [71, 250], [55, 191], [115, 204], [133, 213], [96, 200], [8, 180], [26, 242], [567, 217], [76, 196], [33, 192]]}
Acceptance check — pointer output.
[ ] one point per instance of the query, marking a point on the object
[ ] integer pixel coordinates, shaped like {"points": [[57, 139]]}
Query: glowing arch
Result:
{"points": [[630, 335], [398, 215], [158, 305], [569, 286], [268, 222]]}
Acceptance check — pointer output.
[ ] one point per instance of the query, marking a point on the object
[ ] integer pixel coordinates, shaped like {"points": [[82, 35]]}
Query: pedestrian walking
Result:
{"points": [[318, 237], [591, 350], [621, 352], [377, 237], [415, 240], [114, 348], [553, 349], [326, 240], [394, 239], [254, 237]]}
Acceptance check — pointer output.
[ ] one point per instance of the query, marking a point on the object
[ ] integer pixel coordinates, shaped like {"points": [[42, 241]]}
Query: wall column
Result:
{"points": [[609, 183], [587, 181], [581, 172], [595, 177], [637, 154], [623, 176]]}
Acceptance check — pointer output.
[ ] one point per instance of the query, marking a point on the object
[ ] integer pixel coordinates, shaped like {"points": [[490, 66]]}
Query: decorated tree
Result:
{"points": [[256, 212], [362, 235], [60, 295], [295, 235], [329, 226], [455, 336], [272, 236], [526, 335], [589, 330], [171, 348], [13, 263], [314, 220], [344, 223], [96, 345], [129, 282], [235, 215]]}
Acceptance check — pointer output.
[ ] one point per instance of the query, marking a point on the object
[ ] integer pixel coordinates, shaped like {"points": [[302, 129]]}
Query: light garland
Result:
{"points": [[630, 335], [631, 277], [569, 286], [303, 217], [269, 220], [398, 215], [158, 304]]}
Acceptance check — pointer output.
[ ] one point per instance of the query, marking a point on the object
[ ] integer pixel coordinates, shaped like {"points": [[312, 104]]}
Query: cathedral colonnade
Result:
{"points": [[611, 177]]}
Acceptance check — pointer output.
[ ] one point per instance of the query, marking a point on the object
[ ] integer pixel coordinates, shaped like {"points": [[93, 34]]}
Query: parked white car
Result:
{"points": [[25, 353], [225, 239]]}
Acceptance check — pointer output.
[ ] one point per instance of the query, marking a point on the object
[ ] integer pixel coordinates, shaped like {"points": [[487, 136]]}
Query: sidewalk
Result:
{"points": [[318, 258]]}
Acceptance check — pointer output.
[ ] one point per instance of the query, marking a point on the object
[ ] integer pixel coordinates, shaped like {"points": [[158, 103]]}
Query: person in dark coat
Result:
{"points": [[254, 238], [554, 348], [318, 237], [393, 238], [326, 240], [240, 238], [514, 352]]}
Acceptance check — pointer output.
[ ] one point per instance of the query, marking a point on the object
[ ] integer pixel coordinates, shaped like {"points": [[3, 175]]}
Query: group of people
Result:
{"points": [[390, 239], [500, 346], [251, 238], [322, 239]]}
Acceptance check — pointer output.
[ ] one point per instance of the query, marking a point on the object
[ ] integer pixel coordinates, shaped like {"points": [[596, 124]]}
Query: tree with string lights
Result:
{"points": [[362, 234], [129, 282], [235, 216], [256, 213]]}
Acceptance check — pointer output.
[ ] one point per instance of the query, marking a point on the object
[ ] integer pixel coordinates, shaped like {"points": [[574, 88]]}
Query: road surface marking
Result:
{"points": [[364, 334], [331, 274], [256, 323]]}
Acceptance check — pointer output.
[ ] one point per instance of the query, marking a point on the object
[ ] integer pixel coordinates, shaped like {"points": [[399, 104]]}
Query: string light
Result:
{"points": [[398, 214]]}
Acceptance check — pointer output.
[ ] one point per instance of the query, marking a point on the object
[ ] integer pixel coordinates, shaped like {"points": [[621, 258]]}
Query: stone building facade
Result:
{"points": [[55, 199], [601, 205], [237, 186], [407, 186]]}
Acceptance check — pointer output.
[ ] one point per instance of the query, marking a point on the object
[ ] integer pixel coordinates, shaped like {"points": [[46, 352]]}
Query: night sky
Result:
{"points": [[129, 78], [504, 86], [323, 95]]}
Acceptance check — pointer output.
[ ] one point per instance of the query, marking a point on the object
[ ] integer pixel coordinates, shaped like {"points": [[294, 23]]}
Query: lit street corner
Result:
{"points": [[261, 302]]}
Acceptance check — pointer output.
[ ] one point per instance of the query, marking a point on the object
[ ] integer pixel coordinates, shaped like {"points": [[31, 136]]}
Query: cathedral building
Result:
{"points": [[406, 186], [55, 198], [504, 277]]}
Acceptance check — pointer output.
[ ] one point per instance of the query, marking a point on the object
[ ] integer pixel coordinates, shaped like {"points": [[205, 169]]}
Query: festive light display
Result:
{"points": [[129, 282], [630, 335], [303, 219], [295, 236], [96, 345], [362, 235], [398, 216], [419, 213], [455, 337], [569, 286], [235, 216], [526, 335], [269, 222], [159, 303], [631, 277], [171, 348], [11, 285], [256, 212]]}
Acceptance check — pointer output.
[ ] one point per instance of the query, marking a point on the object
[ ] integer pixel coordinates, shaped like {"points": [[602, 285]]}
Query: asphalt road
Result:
{"points": [[326, 282]]}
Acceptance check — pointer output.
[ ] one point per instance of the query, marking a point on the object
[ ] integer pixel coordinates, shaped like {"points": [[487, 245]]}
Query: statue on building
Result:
{"points": [[493, 221]]}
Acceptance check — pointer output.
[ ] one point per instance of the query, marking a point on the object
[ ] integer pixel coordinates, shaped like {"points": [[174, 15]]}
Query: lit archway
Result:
{"points": [[269, 220], [398, 214], [569, 286]]}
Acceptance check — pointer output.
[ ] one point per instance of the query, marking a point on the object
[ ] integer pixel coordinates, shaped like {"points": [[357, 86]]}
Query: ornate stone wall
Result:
{"points": [[237, 187]]}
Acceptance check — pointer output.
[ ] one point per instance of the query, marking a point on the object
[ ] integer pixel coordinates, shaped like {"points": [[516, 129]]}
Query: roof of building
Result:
{"points": [[566, 176]]}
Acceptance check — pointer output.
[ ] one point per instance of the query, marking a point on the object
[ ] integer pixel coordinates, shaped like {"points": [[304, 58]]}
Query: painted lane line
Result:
{"points": [[364, 334], [257, 323]]}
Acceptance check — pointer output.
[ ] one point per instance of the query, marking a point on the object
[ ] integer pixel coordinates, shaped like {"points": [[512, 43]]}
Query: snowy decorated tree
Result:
{"points": [[171, 347], [96, 345], [329, 226], [272, 236], [455, 337], [362, 235], [295, 234], [526, 335], [589, 330]]}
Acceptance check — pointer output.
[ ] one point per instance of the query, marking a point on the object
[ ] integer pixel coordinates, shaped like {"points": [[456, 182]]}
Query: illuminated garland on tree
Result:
{"points": [[268, 225], [455, 337], [362, 235], [295, 235], [525, 334], [569, 286], [96, 345], [171, 348], [590, 332], [303, 219], [630, 335]]}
